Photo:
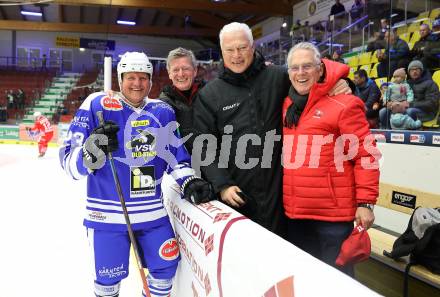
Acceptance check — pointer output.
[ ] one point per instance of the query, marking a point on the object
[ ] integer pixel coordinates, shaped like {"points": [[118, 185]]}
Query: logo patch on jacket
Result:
{"points": [[227, 107], [318, 114]]}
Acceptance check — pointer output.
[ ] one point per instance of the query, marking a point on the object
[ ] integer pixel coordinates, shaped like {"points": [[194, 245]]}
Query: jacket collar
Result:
{"points": [[242, 78], [175, 94]]}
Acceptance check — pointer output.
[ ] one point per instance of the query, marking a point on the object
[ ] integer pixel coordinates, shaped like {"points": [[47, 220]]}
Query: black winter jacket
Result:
{"points": [[183, 107], [426, 96], [370, 94], [251, 103]]}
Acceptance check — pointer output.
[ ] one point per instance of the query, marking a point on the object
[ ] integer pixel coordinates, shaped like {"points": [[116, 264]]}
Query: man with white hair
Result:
{"points": [[141, 134], [44, 129], [324, 193], [245, 103]]}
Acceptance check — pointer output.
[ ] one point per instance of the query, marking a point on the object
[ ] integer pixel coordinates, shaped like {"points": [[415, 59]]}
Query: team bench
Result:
{"points": [[384, 274]]}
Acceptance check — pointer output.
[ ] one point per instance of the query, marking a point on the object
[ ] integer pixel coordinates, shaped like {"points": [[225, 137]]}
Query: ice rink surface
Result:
{"points": [[44, 249]]}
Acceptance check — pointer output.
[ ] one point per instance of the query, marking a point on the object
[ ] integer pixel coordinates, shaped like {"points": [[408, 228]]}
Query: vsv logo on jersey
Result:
{"points": [[142, 145], [142, 181], [111, 103]]}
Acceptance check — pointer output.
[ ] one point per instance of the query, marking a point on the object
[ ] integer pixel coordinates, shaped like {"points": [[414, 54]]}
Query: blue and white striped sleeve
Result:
{"points": [[70, 154]]}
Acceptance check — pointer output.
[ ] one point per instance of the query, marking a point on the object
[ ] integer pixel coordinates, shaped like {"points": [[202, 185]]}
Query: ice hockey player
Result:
{"points": [[44, 129], [142, 135]]}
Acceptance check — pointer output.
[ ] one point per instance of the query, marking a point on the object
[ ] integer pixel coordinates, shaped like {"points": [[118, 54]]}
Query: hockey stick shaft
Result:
{"points": [[127, 218]]}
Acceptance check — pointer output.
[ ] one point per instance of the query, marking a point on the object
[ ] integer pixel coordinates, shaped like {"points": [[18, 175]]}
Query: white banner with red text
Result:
{"points": [[224, 254]]}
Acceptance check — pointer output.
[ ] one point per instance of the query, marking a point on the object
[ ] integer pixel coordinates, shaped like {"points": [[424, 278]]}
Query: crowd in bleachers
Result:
{"points": [[19, 89], [404, 63]]}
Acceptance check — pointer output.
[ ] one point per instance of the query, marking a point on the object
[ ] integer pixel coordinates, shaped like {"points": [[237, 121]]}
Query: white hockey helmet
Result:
{"points": [[134, 62], [37, 114]]}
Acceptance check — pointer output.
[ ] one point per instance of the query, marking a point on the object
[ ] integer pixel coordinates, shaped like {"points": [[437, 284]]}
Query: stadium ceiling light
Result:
{"points": [[129, 23], [24, 12]]}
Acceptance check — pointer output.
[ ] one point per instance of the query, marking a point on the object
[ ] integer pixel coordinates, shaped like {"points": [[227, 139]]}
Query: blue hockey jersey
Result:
{"points": [[149, 146]]}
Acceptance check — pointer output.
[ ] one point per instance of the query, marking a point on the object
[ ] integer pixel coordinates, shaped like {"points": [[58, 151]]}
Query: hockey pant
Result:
{"points": [[158, 250], [43, 142]]}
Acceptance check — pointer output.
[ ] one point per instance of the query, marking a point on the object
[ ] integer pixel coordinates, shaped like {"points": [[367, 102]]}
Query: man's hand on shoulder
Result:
{"points": [[341, 87]]}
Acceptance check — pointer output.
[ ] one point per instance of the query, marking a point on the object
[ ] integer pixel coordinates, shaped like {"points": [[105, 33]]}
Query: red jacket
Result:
{"points": [[317, 184]]}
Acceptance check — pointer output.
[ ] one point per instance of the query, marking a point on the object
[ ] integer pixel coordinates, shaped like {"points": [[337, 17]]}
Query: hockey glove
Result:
{"points": [[102, 140], [197, 190]]}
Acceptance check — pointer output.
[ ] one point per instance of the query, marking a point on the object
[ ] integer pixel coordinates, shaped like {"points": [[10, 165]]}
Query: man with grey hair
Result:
{"points": [[323, 194], [182, 71], [244, 103], [423, 49]]}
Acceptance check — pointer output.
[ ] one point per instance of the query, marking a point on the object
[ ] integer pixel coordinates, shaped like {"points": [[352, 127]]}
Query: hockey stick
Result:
{"points": [[127, 218]]}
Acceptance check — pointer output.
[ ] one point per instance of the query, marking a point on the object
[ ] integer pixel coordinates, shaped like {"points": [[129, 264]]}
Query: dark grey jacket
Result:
{"points": [[426, 96], [183, 107]]}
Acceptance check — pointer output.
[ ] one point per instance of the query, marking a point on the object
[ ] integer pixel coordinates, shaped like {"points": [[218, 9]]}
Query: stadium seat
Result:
{"points": [[405, 36], [366, 68], [373, 71], [434, 13], [374, 57], [401, 30], [436, 77], [415, 37], [351, 73], [433, 123], [423, 15], [414, 27], [365, 58], [380, 81], [353, 61]]}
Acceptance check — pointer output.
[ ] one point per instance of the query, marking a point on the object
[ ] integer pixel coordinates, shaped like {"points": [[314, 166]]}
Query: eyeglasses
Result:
{"points": [[240, 49], [305, 67]]}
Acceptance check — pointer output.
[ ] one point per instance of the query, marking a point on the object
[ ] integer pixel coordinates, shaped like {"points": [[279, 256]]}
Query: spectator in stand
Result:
{"points": [[436, 29], [296, 29], [396, 100], [367, 90], [398, 52], [384, 26], [318, 31], [338, 11], [337, 56], [383, 88], [356, 11], [44, 62], [422, 48], [12, 100], [376, 42], [21, 99], [426, 93]]}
